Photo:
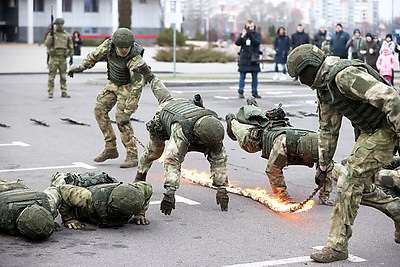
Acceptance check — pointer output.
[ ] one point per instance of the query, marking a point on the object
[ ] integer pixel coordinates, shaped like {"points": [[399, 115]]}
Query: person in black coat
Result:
{"points": [[339, 42], [77, 42], [249, 57], [281, 47], [298, 38], [319, 37]]}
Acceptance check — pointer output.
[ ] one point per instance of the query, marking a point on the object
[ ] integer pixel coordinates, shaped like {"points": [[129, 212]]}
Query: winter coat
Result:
{"points": [[370, 59], [319, 38], [299, 38], [386, 63], [281, 46], [246, 51], [326, 47], [339, 41]]}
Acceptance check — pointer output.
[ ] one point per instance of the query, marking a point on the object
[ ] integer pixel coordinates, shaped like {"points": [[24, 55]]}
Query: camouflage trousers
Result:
{"points": [[388, 178], [356, 186], [249, 140], [57, 63], [120, 96]]}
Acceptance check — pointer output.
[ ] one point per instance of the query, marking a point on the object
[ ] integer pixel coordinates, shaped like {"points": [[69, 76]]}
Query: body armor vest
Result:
{"points": [[363, 115], [100, 195], [89, 178], [186, 113], [302, 145], [12, 202], [117, 71]]}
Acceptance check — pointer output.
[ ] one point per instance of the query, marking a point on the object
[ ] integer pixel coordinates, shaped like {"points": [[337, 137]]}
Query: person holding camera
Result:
{"points": [[249, 57]]}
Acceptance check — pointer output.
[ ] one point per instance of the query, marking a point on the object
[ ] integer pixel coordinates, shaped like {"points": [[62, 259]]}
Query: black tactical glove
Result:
{"points": [[168, 202], [222, 198], [320, 175], [74, 70], [125, 119], [71, 61]]}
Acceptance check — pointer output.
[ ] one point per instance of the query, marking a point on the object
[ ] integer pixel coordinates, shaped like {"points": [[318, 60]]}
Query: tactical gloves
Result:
{"points": [[74, 70], [125, 119], [74, 224], [71, 61], [222, 198], [168, 202], [320, 175]]}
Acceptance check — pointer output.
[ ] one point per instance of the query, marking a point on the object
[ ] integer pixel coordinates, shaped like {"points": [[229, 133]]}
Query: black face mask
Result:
{"points": [[308, 74]]}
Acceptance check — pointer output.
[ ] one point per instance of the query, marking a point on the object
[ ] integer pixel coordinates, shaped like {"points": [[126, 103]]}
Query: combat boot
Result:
{"points": [[251, 101], [328, 254], [229, 117], [140, 177], [397, 232], [129, 162], [65, 95], [287, 199], [108, 153], [325, 200]]}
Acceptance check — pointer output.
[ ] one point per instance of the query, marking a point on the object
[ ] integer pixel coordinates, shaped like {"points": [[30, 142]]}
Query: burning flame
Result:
{"points": [[257, 194]]}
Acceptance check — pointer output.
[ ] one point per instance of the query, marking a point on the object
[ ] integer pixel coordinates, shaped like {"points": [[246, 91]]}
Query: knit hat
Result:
{"points": [[357, 30], [329, 34], [368, 34], [389, 35]]}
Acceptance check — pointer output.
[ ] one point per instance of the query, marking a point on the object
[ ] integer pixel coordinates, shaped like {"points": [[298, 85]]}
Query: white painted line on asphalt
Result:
{"points": [[16, 143], [351, 258], [74, 165], [178, 199]]}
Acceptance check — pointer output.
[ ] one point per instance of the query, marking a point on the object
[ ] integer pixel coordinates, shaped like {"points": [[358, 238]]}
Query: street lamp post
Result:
{"points": [[222, 5]]}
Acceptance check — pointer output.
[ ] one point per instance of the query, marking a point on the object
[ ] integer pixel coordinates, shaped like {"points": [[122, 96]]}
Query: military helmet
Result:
{"points": [[126, 200], [303, 56], [209, 131], [123, 37], [36, 222], [59, 21]]}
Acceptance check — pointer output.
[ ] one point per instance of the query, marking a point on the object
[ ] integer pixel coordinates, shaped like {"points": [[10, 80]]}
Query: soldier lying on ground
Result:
{"points": [[189, 127], [95, 197], [281, 143], [24, 211]]}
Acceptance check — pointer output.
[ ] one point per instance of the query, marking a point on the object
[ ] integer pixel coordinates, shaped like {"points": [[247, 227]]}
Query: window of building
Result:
{"points": [[91, 5], [89, 30], [143, 1], [67, 5], [12, 3], [38, 5]]}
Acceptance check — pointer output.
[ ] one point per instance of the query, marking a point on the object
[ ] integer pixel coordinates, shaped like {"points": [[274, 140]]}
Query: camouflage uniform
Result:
{"points": [[58, 51], [87, 202], [178, 145], [300, 149], [354, 90], [124, 92]]}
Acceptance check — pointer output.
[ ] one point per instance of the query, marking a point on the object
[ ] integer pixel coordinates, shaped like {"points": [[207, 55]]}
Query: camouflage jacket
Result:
{"points": [[357, 84], [62, 45]]}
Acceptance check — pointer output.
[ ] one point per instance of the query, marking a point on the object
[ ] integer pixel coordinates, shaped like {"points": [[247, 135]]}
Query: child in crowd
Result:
{"points": [[326, 45], [386, 62]]}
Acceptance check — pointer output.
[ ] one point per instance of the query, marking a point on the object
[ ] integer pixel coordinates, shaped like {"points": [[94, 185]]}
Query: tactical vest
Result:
{"points": [[100, 194], [186, 113], [363, 115], [12, 202], [89, 178], [61, 39], [117, 71], [301, 144]]}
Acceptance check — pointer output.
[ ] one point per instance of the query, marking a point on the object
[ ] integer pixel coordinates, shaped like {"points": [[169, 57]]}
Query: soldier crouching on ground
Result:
{"points": [[281, 144], [189, 127], [95, 197], [123, 89], [26, 212]]}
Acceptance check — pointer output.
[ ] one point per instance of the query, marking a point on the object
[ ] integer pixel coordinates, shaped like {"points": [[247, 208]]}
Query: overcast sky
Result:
{"points": [[385, 7]]}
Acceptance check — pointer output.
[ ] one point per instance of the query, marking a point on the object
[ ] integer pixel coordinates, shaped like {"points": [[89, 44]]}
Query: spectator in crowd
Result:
{"points": [[249, 57], [397, 48], [370, 51], [281, 46], [320, 37], [390, 42], [377, 41], [386, 63], [339, 42], [298, 38], [355, 44], [326, 46], [77, 42]]}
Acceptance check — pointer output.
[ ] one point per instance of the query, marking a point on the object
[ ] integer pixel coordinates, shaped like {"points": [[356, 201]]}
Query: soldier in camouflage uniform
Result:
{"points": [[95, 197], [281, 144], [59, 46], [354, 90], [188, 126], [24, 211], [123, 89]]}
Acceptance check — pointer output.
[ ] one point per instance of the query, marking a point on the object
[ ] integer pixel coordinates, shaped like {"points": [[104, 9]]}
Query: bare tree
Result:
{"points": [[125, 12]]}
